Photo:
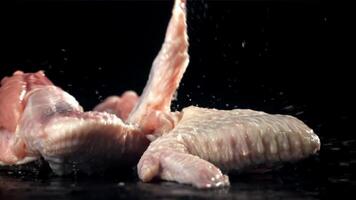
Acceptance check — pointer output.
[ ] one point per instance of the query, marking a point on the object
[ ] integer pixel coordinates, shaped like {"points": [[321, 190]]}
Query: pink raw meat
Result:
{"points": [[51, 124], [39, 119], [236, 139], [12, 93], [232, 140], [120, 106]]}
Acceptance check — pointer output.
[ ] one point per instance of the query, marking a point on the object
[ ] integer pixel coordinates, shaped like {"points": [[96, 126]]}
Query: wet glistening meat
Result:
{"points": [[194, 146]]}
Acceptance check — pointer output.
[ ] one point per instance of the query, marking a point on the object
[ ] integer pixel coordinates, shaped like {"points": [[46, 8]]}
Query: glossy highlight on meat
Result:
{"points": [[231, 140], [194, 146], [53, 125]]}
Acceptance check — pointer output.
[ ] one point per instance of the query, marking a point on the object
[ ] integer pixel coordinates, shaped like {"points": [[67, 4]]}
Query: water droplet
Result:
{"points": [[299, 113], [99, 68], [335, 149], [63, 50], [182, 5], [65, 59], [243, 44], [205, 5], [96, 92], [121, 184], [288, 108], [175, 96], [344, 164], [338, 180], [348, 142], [69, 85], [198, 86]]}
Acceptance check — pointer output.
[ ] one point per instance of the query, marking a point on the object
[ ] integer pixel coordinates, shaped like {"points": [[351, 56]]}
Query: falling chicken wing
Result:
{"points": [[201, 140]]}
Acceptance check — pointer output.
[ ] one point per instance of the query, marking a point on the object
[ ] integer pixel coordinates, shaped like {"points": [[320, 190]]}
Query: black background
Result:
{"points": [[289, 57], [277, 56]]}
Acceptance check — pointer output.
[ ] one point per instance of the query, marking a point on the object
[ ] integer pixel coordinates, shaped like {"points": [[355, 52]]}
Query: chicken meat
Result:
{"points": [[194, 146]]}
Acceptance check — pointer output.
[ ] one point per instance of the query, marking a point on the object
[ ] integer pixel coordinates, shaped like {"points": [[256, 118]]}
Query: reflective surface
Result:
{"points": [[323, 176]]}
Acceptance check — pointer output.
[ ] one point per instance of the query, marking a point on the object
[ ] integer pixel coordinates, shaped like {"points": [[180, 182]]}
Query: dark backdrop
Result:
{"points": [[276, 56]]}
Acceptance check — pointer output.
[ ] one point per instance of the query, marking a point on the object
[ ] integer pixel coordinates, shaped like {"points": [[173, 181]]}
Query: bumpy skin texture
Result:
{"points": [[166, 73], [39, 119], [204, 139], [236, 139], [51, 124], [75, 134], [14, 93]]}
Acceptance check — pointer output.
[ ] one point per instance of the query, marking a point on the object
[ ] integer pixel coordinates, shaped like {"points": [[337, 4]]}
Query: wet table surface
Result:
{"points": [[325, 175]]}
